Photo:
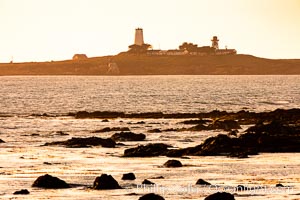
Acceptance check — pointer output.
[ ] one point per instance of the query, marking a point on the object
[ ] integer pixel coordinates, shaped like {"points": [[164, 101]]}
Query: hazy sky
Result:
{"points": [[44, 30]]}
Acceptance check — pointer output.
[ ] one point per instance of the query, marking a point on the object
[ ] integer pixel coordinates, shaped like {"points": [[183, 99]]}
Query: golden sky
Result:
{"points": [[44, 30]]}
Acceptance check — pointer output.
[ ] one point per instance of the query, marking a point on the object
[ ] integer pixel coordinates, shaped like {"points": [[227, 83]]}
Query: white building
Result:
{"points": [[139, 38]]}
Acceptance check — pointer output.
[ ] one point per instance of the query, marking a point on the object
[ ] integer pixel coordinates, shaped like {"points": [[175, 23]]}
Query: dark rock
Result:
{"points": [[131, 194], [108, 129], [105, 120], [157, 177], [1, 141], [218, 124], [175, 129], [148, 150], [280, 134], [220, 196], [173, 163], [23, 191], [241, 188], [61, 133], [202, 182], [233, 133], [128, 136], [105, 182], [216, 145], [238, 155], [147, 182], [98, 114], [48, 181], [273, 137], [147, 115], [156, 130], [279, 185], [151, 196], [225, 125], [243, 155], [85, 142], [128, 176], [273, 128], [243, 117], [176, 153]]}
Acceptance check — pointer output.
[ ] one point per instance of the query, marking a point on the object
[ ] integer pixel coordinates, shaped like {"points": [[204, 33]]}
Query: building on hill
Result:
{"points": [[139, 47], [170, 52], [139, 38], [176, 52], [225, 52], [79, 57]]}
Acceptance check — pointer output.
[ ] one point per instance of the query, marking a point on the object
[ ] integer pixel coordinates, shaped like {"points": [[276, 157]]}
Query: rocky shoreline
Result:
{"points": [[243, 117], [275, 131], [272, 137]]}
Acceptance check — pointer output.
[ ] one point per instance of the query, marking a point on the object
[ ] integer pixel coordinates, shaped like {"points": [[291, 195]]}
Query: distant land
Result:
{"points": [[142, 64]]}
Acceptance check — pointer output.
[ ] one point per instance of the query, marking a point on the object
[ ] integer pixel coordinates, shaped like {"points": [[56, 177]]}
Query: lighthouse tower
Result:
{"points": [[215, 42], [139, 39]]}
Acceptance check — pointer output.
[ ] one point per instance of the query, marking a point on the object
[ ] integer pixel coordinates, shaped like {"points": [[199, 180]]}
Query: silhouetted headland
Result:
{"points": [[134, 64]]}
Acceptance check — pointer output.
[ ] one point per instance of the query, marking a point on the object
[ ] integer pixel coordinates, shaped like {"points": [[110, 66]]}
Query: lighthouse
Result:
{"points": [[215, 42], [139, 38]]}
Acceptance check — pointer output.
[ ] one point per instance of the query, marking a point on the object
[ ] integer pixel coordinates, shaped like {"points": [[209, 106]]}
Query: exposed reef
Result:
{"points": [[277, 131], [84, 142], [242, 117]]}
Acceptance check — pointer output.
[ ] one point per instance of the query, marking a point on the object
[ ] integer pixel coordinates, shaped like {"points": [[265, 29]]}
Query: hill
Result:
{"points": [[130, 64]]}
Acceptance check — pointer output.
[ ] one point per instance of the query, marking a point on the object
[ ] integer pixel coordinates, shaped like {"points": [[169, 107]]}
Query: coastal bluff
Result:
{"points": [[133, 64]]}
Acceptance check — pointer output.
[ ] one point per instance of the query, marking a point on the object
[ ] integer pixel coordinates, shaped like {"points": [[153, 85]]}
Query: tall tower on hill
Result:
{"points": [[215, 42], [139, 38]]}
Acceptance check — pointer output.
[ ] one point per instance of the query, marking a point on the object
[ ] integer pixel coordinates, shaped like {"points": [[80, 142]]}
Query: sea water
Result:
{"points": [[23, 157]]}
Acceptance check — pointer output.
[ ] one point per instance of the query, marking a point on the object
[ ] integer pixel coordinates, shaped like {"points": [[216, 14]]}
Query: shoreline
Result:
{"points": [[291, 113]]}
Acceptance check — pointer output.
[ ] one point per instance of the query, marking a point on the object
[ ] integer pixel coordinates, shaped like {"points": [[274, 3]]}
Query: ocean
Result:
{"points": [[23, 158]]}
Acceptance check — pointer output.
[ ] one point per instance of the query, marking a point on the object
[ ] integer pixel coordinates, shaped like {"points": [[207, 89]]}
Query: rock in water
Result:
{"points": [[108, 129], [106, 182], [147, 182], [202, 182], [148, 150], [279, 185], [23, 191], [225, 125], [151, 196], [128, 176], [85, 142], [48, 181], [173, 163], [220, 196], [128, 136]]}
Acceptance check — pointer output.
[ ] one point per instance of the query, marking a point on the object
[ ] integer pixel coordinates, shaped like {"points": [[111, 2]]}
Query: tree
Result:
{"points": [[190, 47]]}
